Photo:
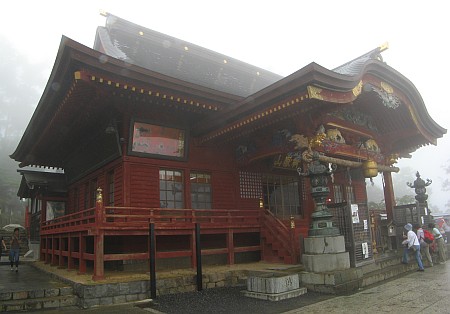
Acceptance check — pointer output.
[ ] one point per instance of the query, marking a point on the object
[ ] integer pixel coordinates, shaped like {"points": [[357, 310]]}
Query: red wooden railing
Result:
{"points": [[139, 218]]}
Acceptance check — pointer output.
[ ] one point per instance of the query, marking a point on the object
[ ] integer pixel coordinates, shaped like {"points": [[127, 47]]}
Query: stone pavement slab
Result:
{"points": [[26, 279], [418, 292]]}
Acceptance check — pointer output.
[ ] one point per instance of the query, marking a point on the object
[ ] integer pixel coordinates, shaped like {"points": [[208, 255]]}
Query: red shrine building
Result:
{"points": [[149, 129]]}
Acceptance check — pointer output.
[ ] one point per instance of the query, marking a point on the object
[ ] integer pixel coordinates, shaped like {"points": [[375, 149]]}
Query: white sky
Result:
{"points": [[280, 36]]}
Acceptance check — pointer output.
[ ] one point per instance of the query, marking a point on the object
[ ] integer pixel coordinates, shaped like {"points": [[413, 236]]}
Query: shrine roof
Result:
{"points": [[214, 98], [180, 59], [53, 180]]}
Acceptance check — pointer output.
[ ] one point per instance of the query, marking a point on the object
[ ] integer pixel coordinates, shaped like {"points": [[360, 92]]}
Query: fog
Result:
{"points": [[281, 37]]}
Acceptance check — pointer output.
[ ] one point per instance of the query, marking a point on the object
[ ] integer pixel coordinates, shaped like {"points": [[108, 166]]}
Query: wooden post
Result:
{"points": [[99, 209], [99, 251], [152, 256], [69, 252], [61, 249], [198, 252], [389, 197], [99, 270], [46, 250], [293, 242], [193, 255], [230, 244], [53, 258], [82, 248]]}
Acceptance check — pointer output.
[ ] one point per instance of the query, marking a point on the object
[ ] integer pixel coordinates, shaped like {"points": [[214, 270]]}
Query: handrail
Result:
{"points": [[281, 232], [138, 216]]}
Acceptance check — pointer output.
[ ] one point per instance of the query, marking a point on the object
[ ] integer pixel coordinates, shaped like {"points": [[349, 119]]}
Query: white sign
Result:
{"points": [[355, 215]]}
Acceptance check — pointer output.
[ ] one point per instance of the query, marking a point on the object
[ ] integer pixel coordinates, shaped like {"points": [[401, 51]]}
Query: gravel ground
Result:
{"points": [[229, 300]]}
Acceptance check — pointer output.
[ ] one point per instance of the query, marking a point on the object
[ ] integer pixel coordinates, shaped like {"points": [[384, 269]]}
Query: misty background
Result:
{"points": [[281, 37]]}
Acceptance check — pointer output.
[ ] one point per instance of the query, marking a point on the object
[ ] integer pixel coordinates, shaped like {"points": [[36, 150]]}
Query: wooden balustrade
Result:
{"points": [[138, 217]]}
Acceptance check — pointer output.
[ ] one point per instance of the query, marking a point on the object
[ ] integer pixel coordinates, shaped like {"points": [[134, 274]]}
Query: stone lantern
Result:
{"points": [[419, 187]]}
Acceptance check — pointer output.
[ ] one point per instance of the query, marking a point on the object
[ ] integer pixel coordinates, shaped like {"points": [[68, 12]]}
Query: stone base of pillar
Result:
{"points": [[325, 254]]}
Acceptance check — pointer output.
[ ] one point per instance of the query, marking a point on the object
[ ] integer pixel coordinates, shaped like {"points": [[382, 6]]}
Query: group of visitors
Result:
{"points": [[420, 242], [14, 249]]}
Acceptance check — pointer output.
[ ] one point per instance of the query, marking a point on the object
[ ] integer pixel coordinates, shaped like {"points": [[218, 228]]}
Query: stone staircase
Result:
{"points": [[31, 300]]}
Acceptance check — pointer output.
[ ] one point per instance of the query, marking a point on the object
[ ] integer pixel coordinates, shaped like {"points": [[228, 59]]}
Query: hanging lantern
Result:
{"points": [[370, 169]]}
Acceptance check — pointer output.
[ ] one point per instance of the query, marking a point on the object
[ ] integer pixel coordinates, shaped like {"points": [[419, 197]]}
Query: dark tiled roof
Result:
{"points": [[355, 66], [180, 59]]}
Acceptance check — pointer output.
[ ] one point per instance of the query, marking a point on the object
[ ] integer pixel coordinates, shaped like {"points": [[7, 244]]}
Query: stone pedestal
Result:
{"points": [[325, 254], [274, 287]]}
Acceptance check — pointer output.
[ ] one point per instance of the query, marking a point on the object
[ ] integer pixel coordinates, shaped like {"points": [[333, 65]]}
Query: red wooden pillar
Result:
{"points": [[27, 220], [82, 250], [44, 247], [69, 252], [389, 197], [294, 243], [61, 250], [230, 245], [99, 271], [53, 258]]}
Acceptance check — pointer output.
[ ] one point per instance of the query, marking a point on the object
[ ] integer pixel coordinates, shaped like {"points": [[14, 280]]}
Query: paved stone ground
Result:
{"points": [[27, 278], [418, 292]]}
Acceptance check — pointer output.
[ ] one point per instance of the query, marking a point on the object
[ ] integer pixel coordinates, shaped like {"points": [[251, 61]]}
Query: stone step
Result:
{"points": [[386, 273], [64, 301]]}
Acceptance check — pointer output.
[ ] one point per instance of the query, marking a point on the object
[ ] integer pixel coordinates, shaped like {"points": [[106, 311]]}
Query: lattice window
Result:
{"points": [[171, 188], [281, 195], [337, 193], [200, 190], [350, 194], [250, 184]]}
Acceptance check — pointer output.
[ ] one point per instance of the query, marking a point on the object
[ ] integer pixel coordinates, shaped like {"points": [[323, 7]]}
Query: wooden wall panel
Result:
{"points": [[118, 186], [224, 190], [359, 187], [144, 185]]}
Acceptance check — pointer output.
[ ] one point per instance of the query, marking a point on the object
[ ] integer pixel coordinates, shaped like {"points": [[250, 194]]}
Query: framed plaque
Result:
{"points": [[158, 141]]}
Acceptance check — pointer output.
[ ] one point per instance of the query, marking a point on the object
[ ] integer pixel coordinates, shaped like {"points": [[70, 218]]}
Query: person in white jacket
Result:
{"points": [[411, 243]]}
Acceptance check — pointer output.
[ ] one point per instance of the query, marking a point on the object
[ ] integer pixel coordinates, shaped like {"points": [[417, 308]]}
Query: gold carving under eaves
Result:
{"points": [[314, 92], [335, 135], [357, 89], [372, 146], [387, 88], [392, 159], [355, 117]]}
